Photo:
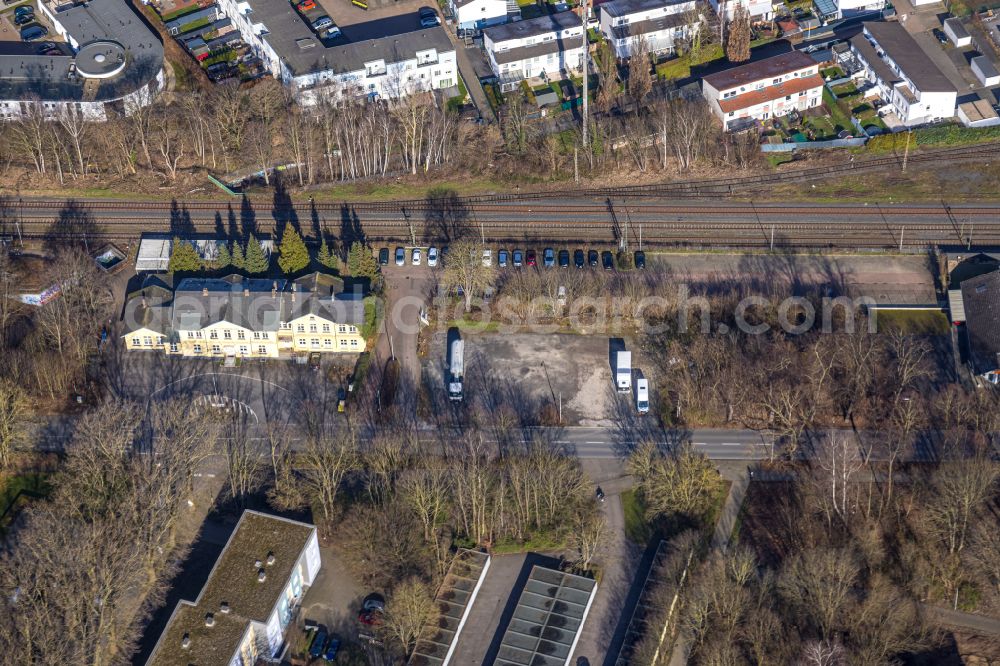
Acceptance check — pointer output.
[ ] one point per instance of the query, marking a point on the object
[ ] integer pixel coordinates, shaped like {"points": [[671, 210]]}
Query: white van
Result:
{"points": [[642, 395]]}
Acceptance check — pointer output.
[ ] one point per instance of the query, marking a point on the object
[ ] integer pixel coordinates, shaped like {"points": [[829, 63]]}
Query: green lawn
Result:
{"points": [[637, 528], [535, 543], [845, 90], [944, 135], [17, 491], [912, 322], [837, 114], [678, 68], [832, 73]]}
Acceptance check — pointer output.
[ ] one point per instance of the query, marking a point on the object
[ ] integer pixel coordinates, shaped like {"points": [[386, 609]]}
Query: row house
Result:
{"points": [[761, 11], [902, 75], [474, 15], [389, 66], [765, 89], [544, 47], [660, 24], [244, 318]]}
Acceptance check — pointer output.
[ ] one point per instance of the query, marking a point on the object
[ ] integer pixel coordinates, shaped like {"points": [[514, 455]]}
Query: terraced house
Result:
{"points": [[660, 24], [765, 89], [234, 316]]}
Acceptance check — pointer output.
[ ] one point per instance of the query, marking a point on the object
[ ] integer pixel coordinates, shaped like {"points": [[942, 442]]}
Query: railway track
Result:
{"points": [[666, 214]]}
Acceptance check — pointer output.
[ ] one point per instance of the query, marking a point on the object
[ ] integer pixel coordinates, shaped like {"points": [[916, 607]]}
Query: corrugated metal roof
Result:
{"points": [[956, 306]]}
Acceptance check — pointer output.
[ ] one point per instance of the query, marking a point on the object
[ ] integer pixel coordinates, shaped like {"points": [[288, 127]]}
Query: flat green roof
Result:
{"points": [[234, 581]]}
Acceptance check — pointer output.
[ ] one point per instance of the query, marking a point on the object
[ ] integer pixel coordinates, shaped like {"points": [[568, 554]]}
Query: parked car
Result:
{"points": [[306, 6], [332, 33], [563, 258], [383, 256], [428, 18], [607, 260], [640, 259], [415, 256], [32, 32], [24, 10], [502, 258], [487, 257], [518, 258], [940, 36], [549, 257], [592, 258], [24, 19], [578, 259], [331, 649], [432, 257], [45, 46], [531, 258], [318, 643], [373, 601], [371, 610], [400, 256], [322, 23]]}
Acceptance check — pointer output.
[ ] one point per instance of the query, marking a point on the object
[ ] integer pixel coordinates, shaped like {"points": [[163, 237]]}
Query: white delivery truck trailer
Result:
{"points": [[456, 369], [623, 371]]}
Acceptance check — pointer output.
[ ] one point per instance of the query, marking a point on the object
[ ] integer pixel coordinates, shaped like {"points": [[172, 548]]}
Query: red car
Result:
{"points": [[531, 258], [306, 5]]}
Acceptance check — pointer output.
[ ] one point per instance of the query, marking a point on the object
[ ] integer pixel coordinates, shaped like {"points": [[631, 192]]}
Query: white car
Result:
{"points": [[642, 395], [416, 256], [487, 257], [432, 257]]}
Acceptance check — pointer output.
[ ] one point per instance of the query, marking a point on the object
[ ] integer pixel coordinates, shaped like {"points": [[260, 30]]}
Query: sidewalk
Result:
{"points": [[980, 624], [739, 475], [467, 71]]}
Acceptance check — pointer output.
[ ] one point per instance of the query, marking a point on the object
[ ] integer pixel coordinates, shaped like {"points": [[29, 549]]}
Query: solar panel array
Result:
{"points": [[453, 600], [547, 619]]}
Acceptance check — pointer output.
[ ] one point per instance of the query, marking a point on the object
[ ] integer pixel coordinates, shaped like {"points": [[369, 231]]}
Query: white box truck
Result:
{"points": [[642, 395], [456, 369], [623, 371]]}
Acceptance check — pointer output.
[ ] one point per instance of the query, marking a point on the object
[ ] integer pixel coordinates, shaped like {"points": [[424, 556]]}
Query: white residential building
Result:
{"points": [[474, 15], [765, 89], [903, 76], [388, 67], [110, 59], [661, 23], [837, 9], [249, 599], [760, 10], [547, 46]]}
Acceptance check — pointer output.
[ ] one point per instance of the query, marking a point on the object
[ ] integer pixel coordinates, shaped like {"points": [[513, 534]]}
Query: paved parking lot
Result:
{"points": [[383, 17], [9, 32]]}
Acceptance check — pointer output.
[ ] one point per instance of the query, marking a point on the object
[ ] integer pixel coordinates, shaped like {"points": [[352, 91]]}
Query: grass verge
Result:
{"points": [[637, 528], [912, 322]]}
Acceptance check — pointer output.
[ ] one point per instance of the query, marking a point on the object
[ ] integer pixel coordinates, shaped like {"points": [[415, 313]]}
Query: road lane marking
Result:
{"points": [[730, 444], [595, 442]]}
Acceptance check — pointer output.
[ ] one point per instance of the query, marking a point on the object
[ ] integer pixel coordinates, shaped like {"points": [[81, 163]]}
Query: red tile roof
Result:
{"points": [[755, 97]]}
